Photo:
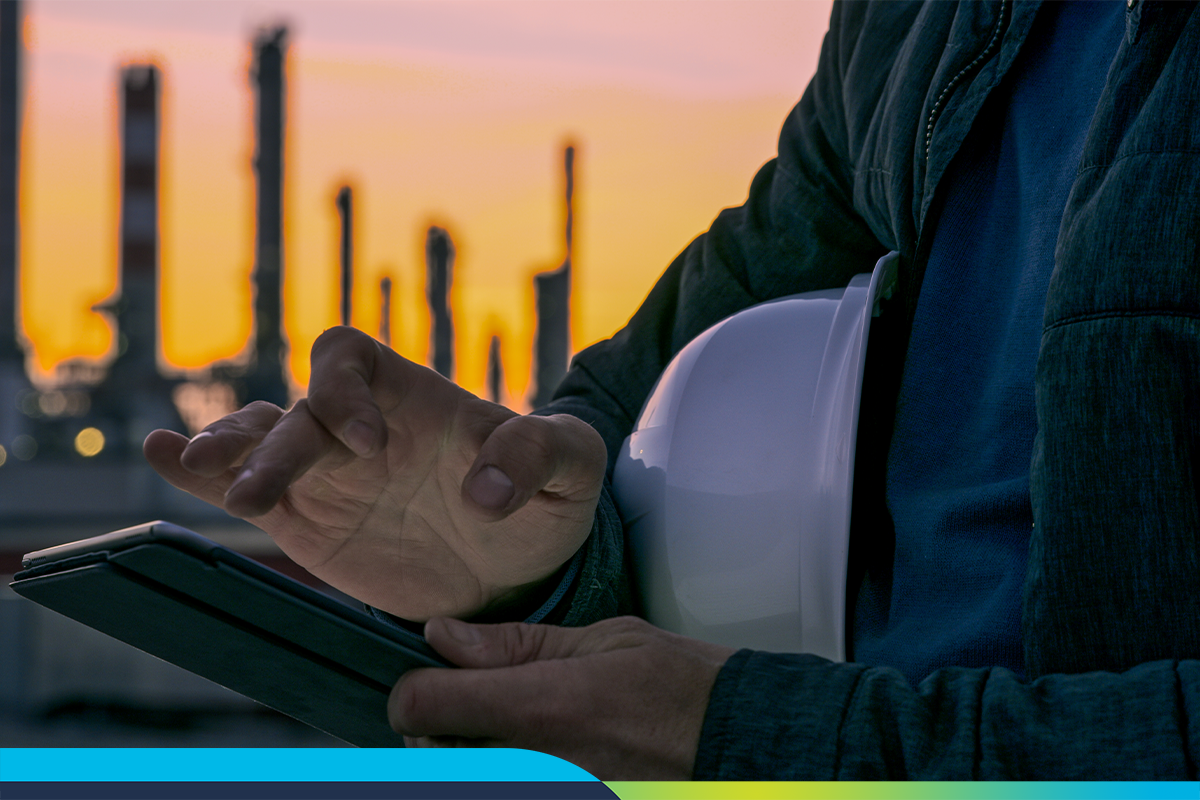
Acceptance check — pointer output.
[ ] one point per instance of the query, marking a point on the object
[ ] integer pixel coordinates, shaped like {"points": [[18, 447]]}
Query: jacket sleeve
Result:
{"points": [[851, 722]]}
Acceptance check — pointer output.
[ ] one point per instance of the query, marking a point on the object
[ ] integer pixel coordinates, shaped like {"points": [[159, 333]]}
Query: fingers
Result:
{"points": [[485, 700], [466, 704], [560, 690], [293, 446], [344, 362], [204, 465], [243, 462], [504, 645], [510, 670], [163, 450], [561, 455], [227, 441]]}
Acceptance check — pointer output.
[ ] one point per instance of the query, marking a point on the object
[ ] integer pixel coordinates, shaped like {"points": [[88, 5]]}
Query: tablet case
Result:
{"points": [[187, 600]]}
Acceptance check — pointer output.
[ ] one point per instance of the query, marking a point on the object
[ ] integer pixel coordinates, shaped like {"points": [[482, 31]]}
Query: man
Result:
{"points": [[1025, 597]]}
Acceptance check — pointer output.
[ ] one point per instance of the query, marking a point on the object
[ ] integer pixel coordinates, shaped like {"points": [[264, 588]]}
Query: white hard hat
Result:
{"points": [[735, 483]]}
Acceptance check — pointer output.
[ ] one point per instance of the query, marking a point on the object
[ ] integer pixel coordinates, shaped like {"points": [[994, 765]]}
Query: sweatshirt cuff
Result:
{"points": [[775, 716]]}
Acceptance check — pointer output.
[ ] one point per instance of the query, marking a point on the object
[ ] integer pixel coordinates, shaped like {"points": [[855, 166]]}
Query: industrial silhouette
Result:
{"points": [[385, 310], [13, 382], [439, 274], [77, 454], [345, 207], [266, 377], [119, 403], [134, 397], [552, 292], [70, 456], [495, 371]]}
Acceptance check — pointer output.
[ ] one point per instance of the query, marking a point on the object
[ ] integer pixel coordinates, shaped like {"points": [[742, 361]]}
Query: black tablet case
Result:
{"points": [[187, 600]]}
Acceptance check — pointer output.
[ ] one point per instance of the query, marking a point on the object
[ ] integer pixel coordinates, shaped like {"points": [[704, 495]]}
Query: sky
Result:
{"points": [[452, 113]]}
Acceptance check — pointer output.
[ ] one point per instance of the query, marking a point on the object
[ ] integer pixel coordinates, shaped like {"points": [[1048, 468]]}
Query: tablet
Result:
{"points": [[187, 600]]}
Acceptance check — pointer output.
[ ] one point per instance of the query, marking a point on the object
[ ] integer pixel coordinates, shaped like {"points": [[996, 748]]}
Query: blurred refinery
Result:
{"points": [[70, 451]]}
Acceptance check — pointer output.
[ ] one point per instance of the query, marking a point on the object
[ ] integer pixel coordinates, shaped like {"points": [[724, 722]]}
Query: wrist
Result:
{"points": [[540, 602]]}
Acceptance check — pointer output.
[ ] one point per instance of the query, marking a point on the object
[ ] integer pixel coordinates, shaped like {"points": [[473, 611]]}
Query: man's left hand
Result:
{"points": [[621, 698]]}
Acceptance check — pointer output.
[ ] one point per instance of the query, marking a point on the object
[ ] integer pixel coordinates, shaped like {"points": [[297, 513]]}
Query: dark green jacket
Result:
{"points": [[1111, 618]]}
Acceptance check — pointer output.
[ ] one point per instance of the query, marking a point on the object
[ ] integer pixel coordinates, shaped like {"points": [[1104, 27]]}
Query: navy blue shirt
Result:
{"points": [[958, 469]]}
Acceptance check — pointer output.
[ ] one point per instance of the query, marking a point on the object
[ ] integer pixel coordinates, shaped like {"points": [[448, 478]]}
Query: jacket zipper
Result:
{"points": [[940, 104], [911, 275]]}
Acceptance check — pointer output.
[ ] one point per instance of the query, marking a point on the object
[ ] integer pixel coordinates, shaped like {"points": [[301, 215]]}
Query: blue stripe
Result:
{"points": [[281, 765]]}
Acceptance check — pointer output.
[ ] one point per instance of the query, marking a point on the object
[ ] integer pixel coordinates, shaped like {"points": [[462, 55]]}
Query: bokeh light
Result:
{"points": [[89, 442]]}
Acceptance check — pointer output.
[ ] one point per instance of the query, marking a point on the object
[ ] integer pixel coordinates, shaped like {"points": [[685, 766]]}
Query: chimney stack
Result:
{"points": [[439, 274], [137, 309], [345, 207], [134, 394], [13, 381], [385, 312], [495, 372], [10, 158], [265, 379], [552, 290]]}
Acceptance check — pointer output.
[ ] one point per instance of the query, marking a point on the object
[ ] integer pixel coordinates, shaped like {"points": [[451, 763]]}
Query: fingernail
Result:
{"points": [[359, 436], [200, 435], [462, 632], [242, 477], [491, 488]]}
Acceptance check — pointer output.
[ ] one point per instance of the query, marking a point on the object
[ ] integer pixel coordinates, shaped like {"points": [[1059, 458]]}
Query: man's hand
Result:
{"points": [[398, 487], [621, 698]]}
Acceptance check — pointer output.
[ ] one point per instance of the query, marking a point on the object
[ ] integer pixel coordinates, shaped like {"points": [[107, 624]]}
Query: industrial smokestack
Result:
{"points": [[439, 274], [345, 207], [13, 381], [10, 157], [265, 380], [134, 395], [385, 312], [137, 310], [495, 372], [552, 291]]}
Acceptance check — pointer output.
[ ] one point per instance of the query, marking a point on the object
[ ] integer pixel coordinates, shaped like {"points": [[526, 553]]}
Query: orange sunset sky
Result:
{"points": [[447, 112]]}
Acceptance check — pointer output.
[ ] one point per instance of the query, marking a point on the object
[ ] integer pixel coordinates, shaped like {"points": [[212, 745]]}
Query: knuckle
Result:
{"points": [[261, 416], [624, 631], [333, 399], [341, 345], [583, 436], [261, 407], [337, 336], [626, 624], [254, 419], [238, 428], [322, 393], [522, 642], [532, 441]]}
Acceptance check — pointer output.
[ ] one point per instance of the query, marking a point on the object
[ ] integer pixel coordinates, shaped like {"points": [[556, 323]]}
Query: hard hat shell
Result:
{"points": [[735, 485]]}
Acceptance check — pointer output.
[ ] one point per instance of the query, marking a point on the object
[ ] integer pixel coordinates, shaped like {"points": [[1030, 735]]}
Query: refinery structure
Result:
{"points": [[87, 429], [70, 453]]}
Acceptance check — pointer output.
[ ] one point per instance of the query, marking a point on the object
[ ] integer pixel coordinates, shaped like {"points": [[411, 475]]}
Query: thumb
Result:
{"points": [[505, 645], [561, 455]]}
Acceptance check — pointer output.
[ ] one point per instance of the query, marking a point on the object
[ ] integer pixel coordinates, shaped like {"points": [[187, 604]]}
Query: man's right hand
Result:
{"points": [[397, 486]]}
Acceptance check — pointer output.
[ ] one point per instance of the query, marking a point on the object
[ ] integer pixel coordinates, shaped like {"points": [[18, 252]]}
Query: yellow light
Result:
{"points": [[89, 442], [3, 455]]}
